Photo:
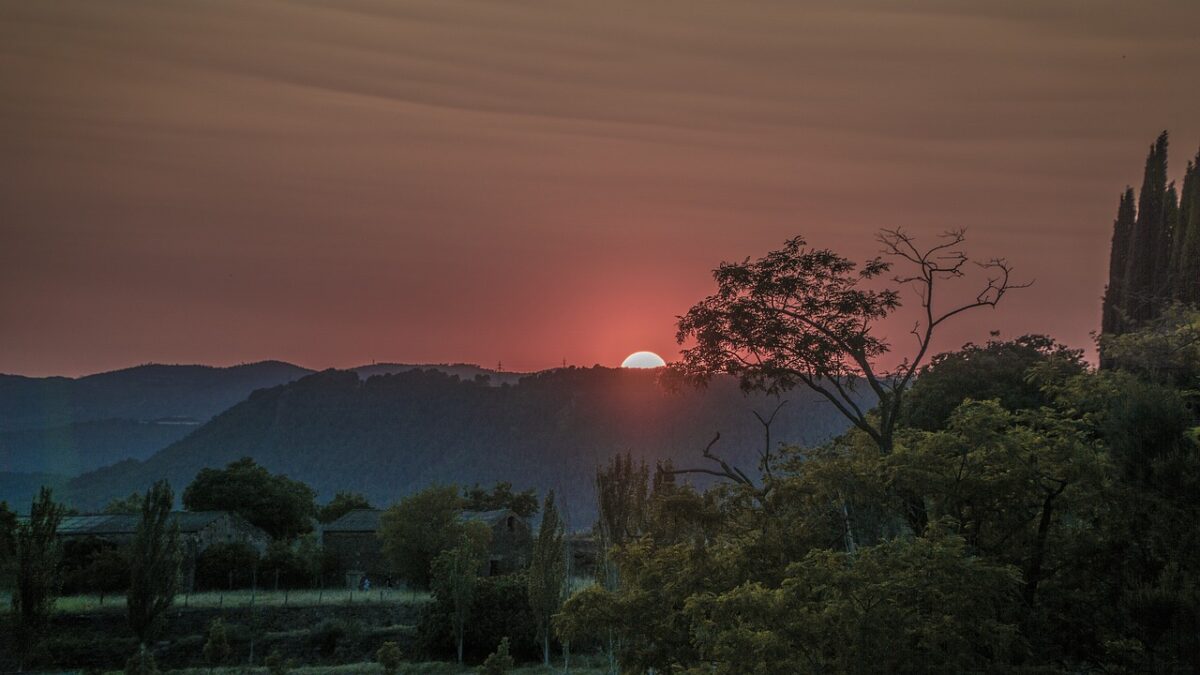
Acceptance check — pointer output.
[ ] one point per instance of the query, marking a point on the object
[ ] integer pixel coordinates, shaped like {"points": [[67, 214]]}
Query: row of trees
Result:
{"points": [[154, 570], [1155, 257]]}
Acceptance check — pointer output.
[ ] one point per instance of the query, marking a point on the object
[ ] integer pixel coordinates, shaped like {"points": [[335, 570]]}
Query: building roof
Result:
{"points": [[126, 523], [368, 520]]}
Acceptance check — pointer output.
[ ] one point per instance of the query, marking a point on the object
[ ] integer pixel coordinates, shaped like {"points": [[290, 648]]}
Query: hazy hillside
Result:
{"points": [[392, 434], [74, 448], [142, 393]]}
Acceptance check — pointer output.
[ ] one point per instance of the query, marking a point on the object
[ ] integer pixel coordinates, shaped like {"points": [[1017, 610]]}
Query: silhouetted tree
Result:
{"points": [[801, 316]]}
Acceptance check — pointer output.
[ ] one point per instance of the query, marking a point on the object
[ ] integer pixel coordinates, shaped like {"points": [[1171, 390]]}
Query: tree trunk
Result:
{"points": [[460, 649], [546, 649]]}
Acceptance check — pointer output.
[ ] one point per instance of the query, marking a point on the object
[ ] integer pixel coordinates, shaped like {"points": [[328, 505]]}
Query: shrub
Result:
{"points": [[500, 609], [331, 634], [141, 663], [388, 658], [226, 566], [275, 663], [216, 649], [498, 662]]}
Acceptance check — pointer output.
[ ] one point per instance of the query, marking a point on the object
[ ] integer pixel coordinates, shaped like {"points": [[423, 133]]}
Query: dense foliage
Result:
{"points": [[1060, 502], [282, 507]]}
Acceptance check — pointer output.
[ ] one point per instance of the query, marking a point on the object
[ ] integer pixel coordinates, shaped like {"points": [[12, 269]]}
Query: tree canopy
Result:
{"points": [[282, 507]]}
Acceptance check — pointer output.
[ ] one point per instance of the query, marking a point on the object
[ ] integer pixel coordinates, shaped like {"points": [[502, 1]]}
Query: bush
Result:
{"points": [[275, 663], [498, 662], [216, 649], [388, 658], [141, 663], [332, 634], [226, 567], [500, 609], [93, 565]]}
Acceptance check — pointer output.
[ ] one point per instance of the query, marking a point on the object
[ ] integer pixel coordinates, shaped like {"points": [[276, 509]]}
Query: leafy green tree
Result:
{"points": [[282, 507], [154, 561], [37, 556], [216, 644], [388, 658], [1165, 350], [1000, 370], [498, 662], [418, 528], [912, 605], [547, 574], [1004, 481], [341, 504], [501, 496], [455, 572]]}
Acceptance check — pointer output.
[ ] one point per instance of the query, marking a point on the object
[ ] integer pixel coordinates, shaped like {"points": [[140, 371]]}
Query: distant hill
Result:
{"points": [[464, 371], [390, 435], [72, 449], [67, 426], [141, 393]]}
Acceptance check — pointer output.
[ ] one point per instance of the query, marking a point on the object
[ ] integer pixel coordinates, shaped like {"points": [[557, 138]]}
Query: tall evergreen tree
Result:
{"points": [[1146, 267], [154, 563], [1114, 296], [1186, 246]]}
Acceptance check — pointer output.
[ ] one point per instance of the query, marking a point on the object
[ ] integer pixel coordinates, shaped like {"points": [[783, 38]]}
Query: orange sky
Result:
{"points": [[332, 183]]}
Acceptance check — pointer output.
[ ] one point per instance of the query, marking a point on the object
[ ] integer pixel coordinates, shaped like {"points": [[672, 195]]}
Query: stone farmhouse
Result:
{"points": [[354, 540], [198, 530]]}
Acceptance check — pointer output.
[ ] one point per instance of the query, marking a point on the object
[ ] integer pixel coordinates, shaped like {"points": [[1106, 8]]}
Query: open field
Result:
{"points": [[586, 667], [239, 599]]}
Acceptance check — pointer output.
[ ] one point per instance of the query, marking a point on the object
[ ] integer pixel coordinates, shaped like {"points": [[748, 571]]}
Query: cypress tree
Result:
{"points": [[1186, 249], [1146, 268], [1114, 297]]}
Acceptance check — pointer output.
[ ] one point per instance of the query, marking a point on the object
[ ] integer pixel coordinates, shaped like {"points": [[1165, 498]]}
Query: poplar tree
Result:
{"points": [[154, 563], [38, 553], [547, 574]]}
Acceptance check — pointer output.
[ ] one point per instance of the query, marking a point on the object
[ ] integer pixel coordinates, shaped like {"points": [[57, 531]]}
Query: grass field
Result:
{"points": [[424, 668], [209, 599]]}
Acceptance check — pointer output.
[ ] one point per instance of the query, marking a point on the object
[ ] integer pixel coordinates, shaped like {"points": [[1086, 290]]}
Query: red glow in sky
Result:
{"points": [[332, 183]]}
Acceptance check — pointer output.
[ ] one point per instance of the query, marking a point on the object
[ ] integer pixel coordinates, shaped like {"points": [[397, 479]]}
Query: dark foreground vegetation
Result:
{"points": [[1004, 508]]}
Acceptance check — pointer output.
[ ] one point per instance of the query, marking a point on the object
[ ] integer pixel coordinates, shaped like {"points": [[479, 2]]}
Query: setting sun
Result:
{"points": [[643, 360]]}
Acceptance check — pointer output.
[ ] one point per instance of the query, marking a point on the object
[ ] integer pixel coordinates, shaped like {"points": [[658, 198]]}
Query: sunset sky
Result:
{"points": [[332, 183]]}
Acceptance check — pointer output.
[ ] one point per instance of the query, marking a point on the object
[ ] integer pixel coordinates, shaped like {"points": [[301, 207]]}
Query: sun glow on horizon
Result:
{"points": [[643, 360]]}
